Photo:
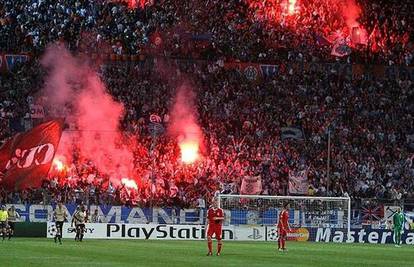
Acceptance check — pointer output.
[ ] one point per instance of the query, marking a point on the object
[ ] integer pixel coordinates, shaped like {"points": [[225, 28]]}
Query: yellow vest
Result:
{"points": [[3, 216]]}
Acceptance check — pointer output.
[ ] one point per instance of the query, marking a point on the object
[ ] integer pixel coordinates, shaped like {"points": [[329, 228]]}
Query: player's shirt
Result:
{"points": [[60, 214], [398, 220], [211, 213], [4, 215], [80, 217], [13, 215], [283, 220]]}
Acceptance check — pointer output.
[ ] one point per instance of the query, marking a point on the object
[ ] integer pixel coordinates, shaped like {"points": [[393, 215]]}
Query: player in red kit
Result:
{"points": [[283, 227], [215, 217]]}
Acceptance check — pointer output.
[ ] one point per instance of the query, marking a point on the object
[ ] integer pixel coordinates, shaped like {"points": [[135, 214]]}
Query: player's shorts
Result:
{"points": [[214, 230], [3, 225], [397, 230], [80, 225], [11, 225], [282, 232], [59, 225]]}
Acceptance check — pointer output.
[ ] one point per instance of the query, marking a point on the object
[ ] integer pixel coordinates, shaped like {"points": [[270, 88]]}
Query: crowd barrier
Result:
{"points": [[230, 232], [251, 70]]}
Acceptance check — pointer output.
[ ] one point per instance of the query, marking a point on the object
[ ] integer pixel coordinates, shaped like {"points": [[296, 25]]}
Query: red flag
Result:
{"points": [[373, 39], [26, 158]]}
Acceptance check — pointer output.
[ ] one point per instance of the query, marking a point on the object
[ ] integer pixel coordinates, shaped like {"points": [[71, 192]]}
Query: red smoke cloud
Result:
{"points": [[333, 16], [75, 91], [136, 3], [184, 126], [351, 12]]}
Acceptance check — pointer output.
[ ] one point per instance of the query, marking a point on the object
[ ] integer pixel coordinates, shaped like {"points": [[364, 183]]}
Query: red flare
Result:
{"points": [[291, 6], [189, 151], [129, 183]]}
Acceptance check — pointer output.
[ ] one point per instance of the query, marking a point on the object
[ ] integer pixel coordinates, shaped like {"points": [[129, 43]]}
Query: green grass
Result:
{"points": [[44, 252]]}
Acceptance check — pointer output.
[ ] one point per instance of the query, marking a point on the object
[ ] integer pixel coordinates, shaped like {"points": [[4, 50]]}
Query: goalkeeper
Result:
{"points": [[398, 220]]}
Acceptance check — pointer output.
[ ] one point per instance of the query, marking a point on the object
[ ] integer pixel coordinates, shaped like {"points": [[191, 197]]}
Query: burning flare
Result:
{"points": [[189, 151], [58, 165], [184, 125], [129, 183], [291, 6]]}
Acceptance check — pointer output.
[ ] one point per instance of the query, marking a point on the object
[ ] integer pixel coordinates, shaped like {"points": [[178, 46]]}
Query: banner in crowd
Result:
{"points": [[298, 182], [251, 71], [37, 111], [251, 185], [8, 61], [231, 232], [269, 70], [291, 133], [340, 49], [26, 158], [138, 215], [254, 71], [371, 213], [389, 212]]}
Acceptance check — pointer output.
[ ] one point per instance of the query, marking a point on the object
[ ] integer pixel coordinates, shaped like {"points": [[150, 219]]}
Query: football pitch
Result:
{"points": [[44, 252]]}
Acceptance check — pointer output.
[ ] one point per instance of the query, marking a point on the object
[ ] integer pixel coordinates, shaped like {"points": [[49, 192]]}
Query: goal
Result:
{"points": [[311, 218]]}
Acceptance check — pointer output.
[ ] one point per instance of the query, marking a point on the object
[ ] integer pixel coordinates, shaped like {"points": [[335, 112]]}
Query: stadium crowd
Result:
{"points": [[238, 30], [370, 121], [371, 153]]}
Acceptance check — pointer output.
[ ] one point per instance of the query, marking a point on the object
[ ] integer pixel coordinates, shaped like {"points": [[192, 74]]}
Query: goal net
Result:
{"points": [[311, 218]]}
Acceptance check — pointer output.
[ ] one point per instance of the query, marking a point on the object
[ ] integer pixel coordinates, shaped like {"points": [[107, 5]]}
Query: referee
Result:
{"points": [[13, 216], [3, 221]]}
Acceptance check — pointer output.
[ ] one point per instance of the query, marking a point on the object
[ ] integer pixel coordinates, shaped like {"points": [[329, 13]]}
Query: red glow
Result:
{"points": [[291, 7], [324, 17], [129, 183], [137, 3], [94, 114], [189, 151], [58, 165], [184, 125]]}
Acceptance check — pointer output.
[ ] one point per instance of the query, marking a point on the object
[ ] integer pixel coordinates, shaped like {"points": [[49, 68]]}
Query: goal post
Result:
{"points": [[311, 213]]}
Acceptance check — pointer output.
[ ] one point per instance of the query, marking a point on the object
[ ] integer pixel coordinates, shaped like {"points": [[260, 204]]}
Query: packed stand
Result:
{"points": [[370, 121], [371, 125], [238, 30]]}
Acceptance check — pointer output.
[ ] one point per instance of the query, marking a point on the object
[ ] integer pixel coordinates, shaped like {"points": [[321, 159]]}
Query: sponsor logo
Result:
{"points": [[272, 234], [52, 230], [161, 231], [300, 234], [360, 236], [255, 234], [86, 230]]}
